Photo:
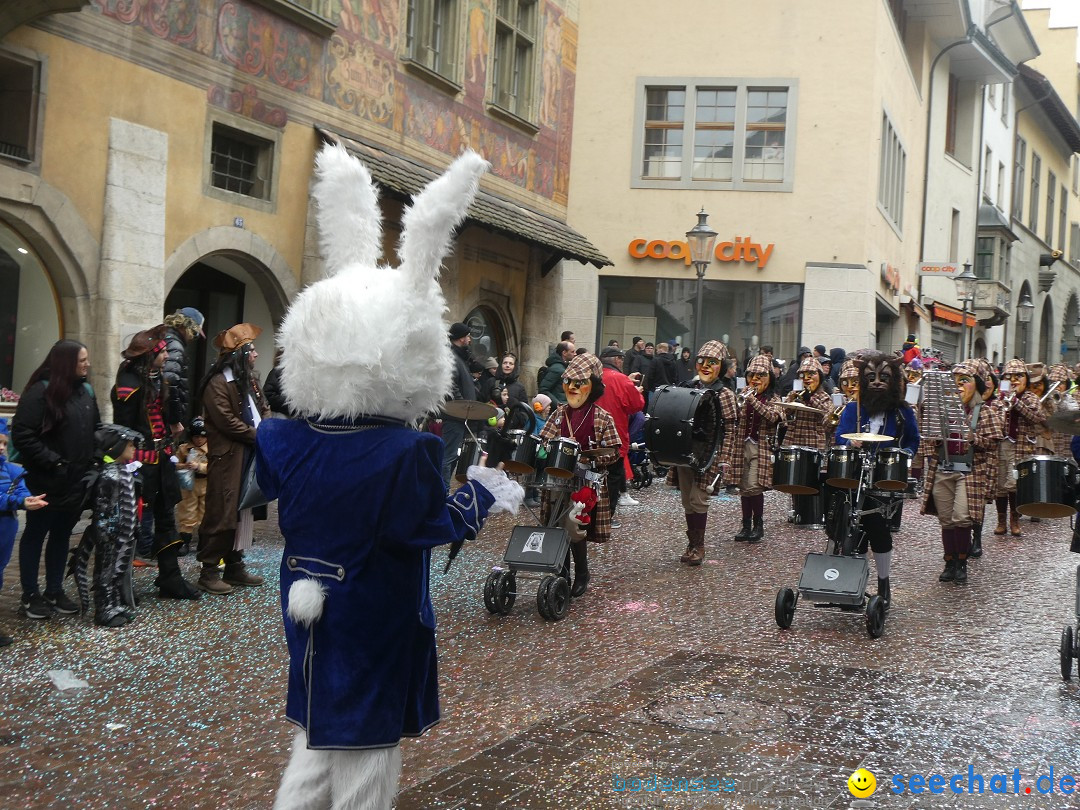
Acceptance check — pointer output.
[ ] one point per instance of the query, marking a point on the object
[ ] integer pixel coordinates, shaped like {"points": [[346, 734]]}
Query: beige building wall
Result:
{"points": [[830, 216]]}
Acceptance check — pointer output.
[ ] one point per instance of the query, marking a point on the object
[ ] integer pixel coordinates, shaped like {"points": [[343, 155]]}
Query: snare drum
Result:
{"points": [[472, 450], [891, 470], [1045, 487], [522, 459], [797, 470], [844, 469], [562, 457], [682, 426], [809, 511]]}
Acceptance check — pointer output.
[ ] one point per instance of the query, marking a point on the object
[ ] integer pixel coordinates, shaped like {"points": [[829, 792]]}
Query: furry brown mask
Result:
{"points": [[879, 382]]}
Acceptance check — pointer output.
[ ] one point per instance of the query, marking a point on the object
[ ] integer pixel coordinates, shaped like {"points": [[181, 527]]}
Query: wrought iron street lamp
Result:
{"points": [[1024, 310], [700, 239], [965, 291]]}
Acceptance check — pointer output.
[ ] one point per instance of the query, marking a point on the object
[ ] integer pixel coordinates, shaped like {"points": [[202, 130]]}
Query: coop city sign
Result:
{"points": [[742, 249]]}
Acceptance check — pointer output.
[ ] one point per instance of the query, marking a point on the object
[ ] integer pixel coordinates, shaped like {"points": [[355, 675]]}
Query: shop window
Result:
{"points": [[722, 134], [19, 99], [892, 165], [433, 38], [513, 67]]}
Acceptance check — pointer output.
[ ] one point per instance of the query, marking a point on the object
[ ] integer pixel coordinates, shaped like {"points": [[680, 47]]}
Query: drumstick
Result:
{"points": [[711, 488]]}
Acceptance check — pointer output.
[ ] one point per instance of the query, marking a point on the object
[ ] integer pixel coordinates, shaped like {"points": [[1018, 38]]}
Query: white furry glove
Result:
{"points": [[508, 494]]}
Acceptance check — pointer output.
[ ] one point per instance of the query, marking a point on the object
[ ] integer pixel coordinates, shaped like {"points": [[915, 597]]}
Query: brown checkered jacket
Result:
{"points": [[771, 413], [983, 476], [805, 429], [604, 435]]}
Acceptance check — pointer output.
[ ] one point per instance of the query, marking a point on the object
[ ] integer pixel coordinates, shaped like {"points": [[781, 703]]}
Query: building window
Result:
{"points": [[1062, 218], [1033, 203], [431, 35], [999, 200], [1005, 91], [954, 236], [513, 68], [722, 134], [951, 115], [1051, 189], [988, 171], [19, 98], [1018, 179], [1074, 243], [984, 257], [891, 173], [242, 159]]}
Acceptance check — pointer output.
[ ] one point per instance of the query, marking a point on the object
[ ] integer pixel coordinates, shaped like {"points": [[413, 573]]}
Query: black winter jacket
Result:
{"points": [[56, 463], [175, 371], [275, 397]]}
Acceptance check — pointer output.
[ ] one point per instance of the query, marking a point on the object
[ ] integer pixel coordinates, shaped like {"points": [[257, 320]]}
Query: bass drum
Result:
{"points": [[1045, 487], [682, 426]]}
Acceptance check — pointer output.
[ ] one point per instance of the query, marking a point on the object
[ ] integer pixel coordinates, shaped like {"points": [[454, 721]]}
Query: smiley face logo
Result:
{"points": [[862, 784]]}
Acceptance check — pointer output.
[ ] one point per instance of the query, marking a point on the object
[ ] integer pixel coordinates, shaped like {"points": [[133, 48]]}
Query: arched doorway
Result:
{"points": [[30, 315], [1047, 349], [488, 332], [1070, 332], [980, 347], [226, 292]]}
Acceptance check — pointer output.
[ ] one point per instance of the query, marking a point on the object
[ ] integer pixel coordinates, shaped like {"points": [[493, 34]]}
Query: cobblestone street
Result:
{"points": [[658, 671]]}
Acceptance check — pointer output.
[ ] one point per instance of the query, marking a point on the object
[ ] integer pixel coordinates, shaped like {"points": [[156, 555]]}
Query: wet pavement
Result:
{"points": [[664, 686]]}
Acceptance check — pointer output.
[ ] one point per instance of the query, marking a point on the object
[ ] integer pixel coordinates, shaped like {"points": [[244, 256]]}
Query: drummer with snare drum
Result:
{"points": [[879, 410], [584, 423], [695, 487], [805, 426]]}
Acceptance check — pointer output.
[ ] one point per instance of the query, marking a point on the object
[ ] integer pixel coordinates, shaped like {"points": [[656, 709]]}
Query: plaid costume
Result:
{"points": [[769, 412], [604, 435], [981, 480], [805, 429]]}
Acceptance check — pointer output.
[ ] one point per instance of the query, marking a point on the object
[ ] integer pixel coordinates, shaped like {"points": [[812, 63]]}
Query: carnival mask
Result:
{"points": [[708, 369], [849, 386], [577, 391], [965, 384]]}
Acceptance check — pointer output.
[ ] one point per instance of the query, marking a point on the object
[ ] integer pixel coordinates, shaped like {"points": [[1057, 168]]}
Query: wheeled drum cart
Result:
{"points": [[837, 578], [536, 553], [1070, 637]]}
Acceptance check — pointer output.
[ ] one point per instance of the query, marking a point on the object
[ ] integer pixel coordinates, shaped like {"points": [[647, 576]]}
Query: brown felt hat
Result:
{"points": [[148, 340], [236, 336]]}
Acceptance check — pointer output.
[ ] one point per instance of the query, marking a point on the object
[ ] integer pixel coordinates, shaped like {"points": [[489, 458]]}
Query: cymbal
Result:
{"points": [[469, 409], [596, 452], [1063, 421], [866, 437], [798, 406]]}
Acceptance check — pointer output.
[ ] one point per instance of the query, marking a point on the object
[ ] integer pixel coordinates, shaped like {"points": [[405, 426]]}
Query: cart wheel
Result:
{"points": [[489, 591], [558, 599], [875, 616], [542, 596], [1066, 653], [785, 607], [505, 593]]}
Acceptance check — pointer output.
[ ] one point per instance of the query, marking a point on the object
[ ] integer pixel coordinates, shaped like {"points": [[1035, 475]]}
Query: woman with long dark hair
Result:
{"points": [[53, 429], [233, 404]]}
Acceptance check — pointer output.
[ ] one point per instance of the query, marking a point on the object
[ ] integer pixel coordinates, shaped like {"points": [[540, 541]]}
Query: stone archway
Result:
{"points": [[266, 267]]}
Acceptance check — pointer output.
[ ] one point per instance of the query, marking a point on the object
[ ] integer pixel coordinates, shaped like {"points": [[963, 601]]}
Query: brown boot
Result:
{"points": [[686, 555], [1014, 524], [695, 554], [237, 574], [210, 581]]}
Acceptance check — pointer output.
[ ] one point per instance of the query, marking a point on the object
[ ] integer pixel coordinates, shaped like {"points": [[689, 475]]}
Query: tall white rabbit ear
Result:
{"points": [[429, 223], [350, 223]]}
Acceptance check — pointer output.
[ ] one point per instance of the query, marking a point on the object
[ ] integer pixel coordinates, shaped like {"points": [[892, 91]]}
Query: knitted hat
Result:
{"points": [[541, 402], [714, 350], [758, 365], [583, 367], [458, 331]]}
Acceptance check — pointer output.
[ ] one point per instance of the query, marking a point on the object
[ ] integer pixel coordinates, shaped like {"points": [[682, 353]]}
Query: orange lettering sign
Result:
{"points": [[741, 249]]}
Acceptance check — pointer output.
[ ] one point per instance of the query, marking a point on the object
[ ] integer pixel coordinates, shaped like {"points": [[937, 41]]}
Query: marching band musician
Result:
{"points": [[960, 473], [879, 409], [1060, 376], [991, 399], [849, 380], [806, 428], [582, 420], [695, 487], [1037, 382], [749, 457], [1024, 420], [913, 374]]}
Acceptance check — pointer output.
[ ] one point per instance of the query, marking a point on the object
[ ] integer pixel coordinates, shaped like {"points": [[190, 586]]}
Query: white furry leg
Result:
{"points": [[306, 782], [365, 780]]}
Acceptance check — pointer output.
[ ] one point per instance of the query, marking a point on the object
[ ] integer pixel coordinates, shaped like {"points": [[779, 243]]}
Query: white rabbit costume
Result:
{"points": [[360, 496]]}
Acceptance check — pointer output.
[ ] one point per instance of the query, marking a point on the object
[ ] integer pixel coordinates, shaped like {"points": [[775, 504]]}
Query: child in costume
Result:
{"points": [[110, 537], [192, 506], [13, 496], [361, 499]]}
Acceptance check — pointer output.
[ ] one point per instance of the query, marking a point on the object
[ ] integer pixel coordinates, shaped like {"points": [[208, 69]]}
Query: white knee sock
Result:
{"points": [[306, 782], [365, 780], [883, 560]]}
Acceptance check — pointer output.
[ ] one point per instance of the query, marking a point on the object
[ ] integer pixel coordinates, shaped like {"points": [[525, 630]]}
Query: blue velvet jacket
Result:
{"points": [[360, 506], [900, 423]]}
